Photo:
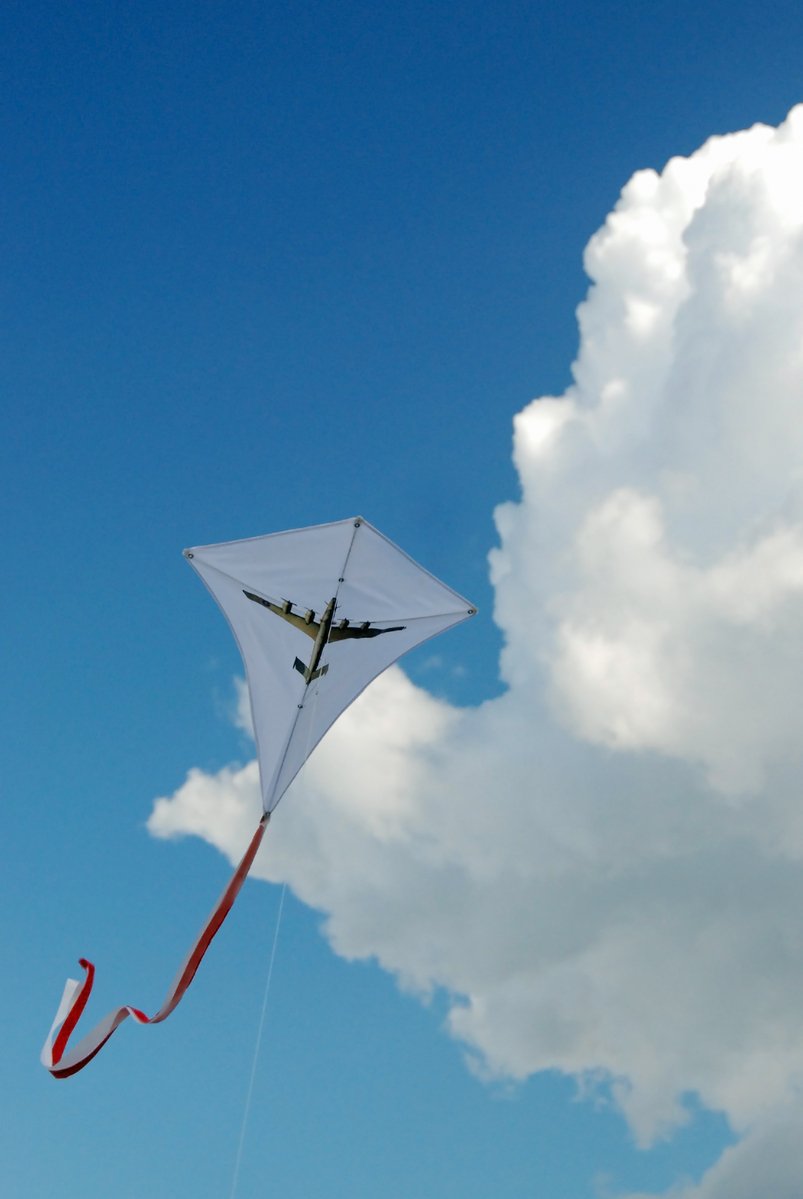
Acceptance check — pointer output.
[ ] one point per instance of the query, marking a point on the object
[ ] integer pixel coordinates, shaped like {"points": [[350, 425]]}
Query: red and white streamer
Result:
{"points": [[76, 993]]}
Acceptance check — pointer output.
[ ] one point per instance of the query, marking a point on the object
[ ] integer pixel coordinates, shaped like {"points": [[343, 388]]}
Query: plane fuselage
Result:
{"points": [[320, 641]]}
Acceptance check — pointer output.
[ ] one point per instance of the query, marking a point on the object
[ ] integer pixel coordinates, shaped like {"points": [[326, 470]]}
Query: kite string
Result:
{"points": [[257, 1046], [261, 1025]]}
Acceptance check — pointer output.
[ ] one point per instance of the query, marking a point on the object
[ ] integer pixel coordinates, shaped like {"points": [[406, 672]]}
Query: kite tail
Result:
{"points": [[76, 994]]}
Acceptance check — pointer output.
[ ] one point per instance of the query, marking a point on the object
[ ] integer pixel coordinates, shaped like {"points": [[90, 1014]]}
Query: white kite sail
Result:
{"points": [[280, 592], [317, 613]]}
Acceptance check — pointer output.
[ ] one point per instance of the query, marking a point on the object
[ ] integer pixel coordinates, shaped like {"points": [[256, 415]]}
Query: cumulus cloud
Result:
{"points": [[602, 867], [768, 1162]]}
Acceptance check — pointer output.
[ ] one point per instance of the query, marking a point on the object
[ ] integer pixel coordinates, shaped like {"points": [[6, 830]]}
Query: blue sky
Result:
{"points": [[267, 266]]}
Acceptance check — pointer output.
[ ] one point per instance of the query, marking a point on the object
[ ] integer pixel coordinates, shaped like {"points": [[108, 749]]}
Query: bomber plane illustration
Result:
{"points": [[321, 631]]}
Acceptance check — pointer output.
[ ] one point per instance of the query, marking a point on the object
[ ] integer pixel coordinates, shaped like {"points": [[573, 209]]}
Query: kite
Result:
{"points": [[317, 614]]}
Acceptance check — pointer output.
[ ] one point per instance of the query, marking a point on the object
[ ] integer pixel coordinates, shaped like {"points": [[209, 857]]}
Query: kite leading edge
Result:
{"points": [[350, 586]]}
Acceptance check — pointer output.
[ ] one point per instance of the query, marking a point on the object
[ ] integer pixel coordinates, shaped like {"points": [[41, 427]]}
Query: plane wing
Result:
{"points": [[343, 630], [307, 623]]}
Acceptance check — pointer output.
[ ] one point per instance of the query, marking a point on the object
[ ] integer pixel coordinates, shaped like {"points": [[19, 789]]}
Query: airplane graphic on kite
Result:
{"points": [[321, 631], [293, 703]]}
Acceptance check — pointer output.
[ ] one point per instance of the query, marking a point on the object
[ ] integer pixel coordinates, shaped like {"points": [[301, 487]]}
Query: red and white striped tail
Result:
{"points": [[62, 1064]]}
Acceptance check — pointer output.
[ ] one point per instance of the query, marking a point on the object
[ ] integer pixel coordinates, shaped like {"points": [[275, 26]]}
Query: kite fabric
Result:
{"points": [[317, 614]]}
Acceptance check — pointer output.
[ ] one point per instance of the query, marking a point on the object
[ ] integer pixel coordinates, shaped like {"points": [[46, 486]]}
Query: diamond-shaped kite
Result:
{"points": [[317, 613]]}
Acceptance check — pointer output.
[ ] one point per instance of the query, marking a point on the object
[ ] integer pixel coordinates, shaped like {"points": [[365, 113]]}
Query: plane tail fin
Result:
{"points": [[310, 675]]}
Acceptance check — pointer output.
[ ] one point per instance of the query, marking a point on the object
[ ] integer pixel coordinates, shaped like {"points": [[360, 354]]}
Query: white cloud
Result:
{"points": [[603, 867], [768, 1162]]}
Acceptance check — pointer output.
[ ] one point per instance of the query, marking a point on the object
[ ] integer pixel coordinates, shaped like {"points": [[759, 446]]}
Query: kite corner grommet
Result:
{"points": [[189, 554]]}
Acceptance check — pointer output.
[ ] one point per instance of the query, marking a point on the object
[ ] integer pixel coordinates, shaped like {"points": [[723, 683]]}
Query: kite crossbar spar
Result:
{"points": [[74, 1000]]}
